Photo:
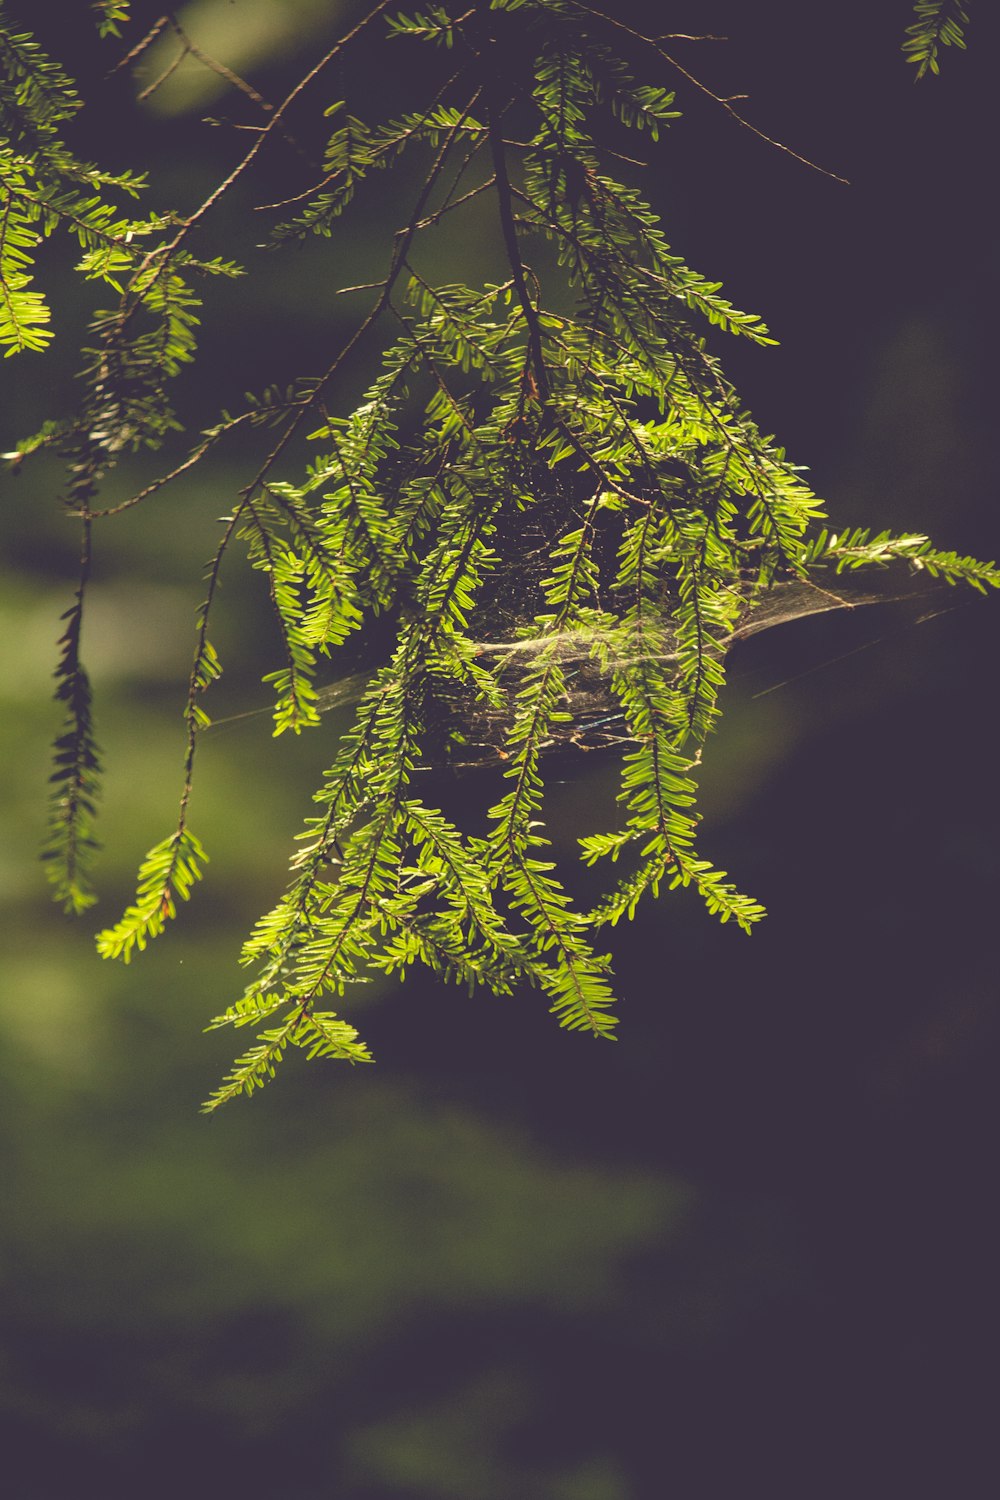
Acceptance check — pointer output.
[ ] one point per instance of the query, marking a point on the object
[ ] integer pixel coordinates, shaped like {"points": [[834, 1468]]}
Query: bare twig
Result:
{"points": [[161, 78], [654, 42], [164, 252], [140, 47], [511, 245], [404, 135], [220, 69]]}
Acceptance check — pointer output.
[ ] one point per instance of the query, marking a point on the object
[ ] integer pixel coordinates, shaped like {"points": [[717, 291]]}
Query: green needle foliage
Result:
{"points": [[551, 499], [939, 23]]}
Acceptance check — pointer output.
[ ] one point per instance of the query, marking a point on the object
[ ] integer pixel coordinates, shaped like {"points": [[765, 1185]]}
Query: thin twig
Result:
{"points": [[194, 457], [140, 47], [161, 78], [214, 66], [509, 231], [403, 240], [447, 208], [164, 252], [404, 135], [651, 41], [249, 490]]}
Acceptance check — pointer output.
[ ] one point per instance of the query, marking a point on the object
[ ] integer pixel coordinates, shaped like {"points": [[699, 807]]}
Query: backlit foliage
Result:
{"points": [[938, 23], [550, 480]]}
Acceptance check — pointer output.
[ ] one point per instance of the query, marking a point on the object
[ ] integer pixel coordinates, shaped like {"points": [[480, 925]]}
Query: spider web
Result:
{"points": [[466, 732], [589, 659]]}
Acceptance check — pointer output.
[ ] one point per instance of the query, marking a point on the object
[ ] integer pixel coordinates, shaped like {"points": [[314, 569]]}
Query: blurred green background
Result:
{"points": [[750, 1249]]}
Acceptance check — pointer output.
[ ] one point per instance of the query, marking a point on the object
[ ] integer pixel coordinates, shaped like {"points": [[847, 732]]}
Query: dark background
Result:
{"points": [[752, 1247]]}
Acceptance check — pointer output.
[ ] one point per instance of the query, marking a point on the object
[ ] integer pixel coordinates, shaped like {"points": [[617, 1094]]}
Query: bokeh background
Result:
{"points": [[750, 1249]]}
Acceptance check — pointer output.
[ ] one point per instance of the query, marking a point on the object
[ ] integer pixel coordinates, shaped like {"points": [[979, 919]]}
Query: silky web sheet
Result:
{"points": [[466, 731]]}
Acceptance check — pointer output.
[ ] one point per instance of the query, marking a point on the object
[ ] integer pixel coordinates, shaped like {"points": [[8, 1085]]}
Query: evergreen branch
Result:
{"points": [[138, 919], [320, 1034], [111, 14], [70, 846], [296, 705], [938, 23], [254, 1067], [850, 550], [167, 873], [278, 935], [353, 151], [400, 249], [24, 315], [548, 516], [171, 868], [575, 983]]}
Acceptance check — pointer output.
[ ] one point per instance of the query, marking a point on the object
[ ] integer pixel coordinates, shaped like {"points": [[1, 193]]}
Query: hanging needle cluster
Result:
{"points": [[550, 499]]}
